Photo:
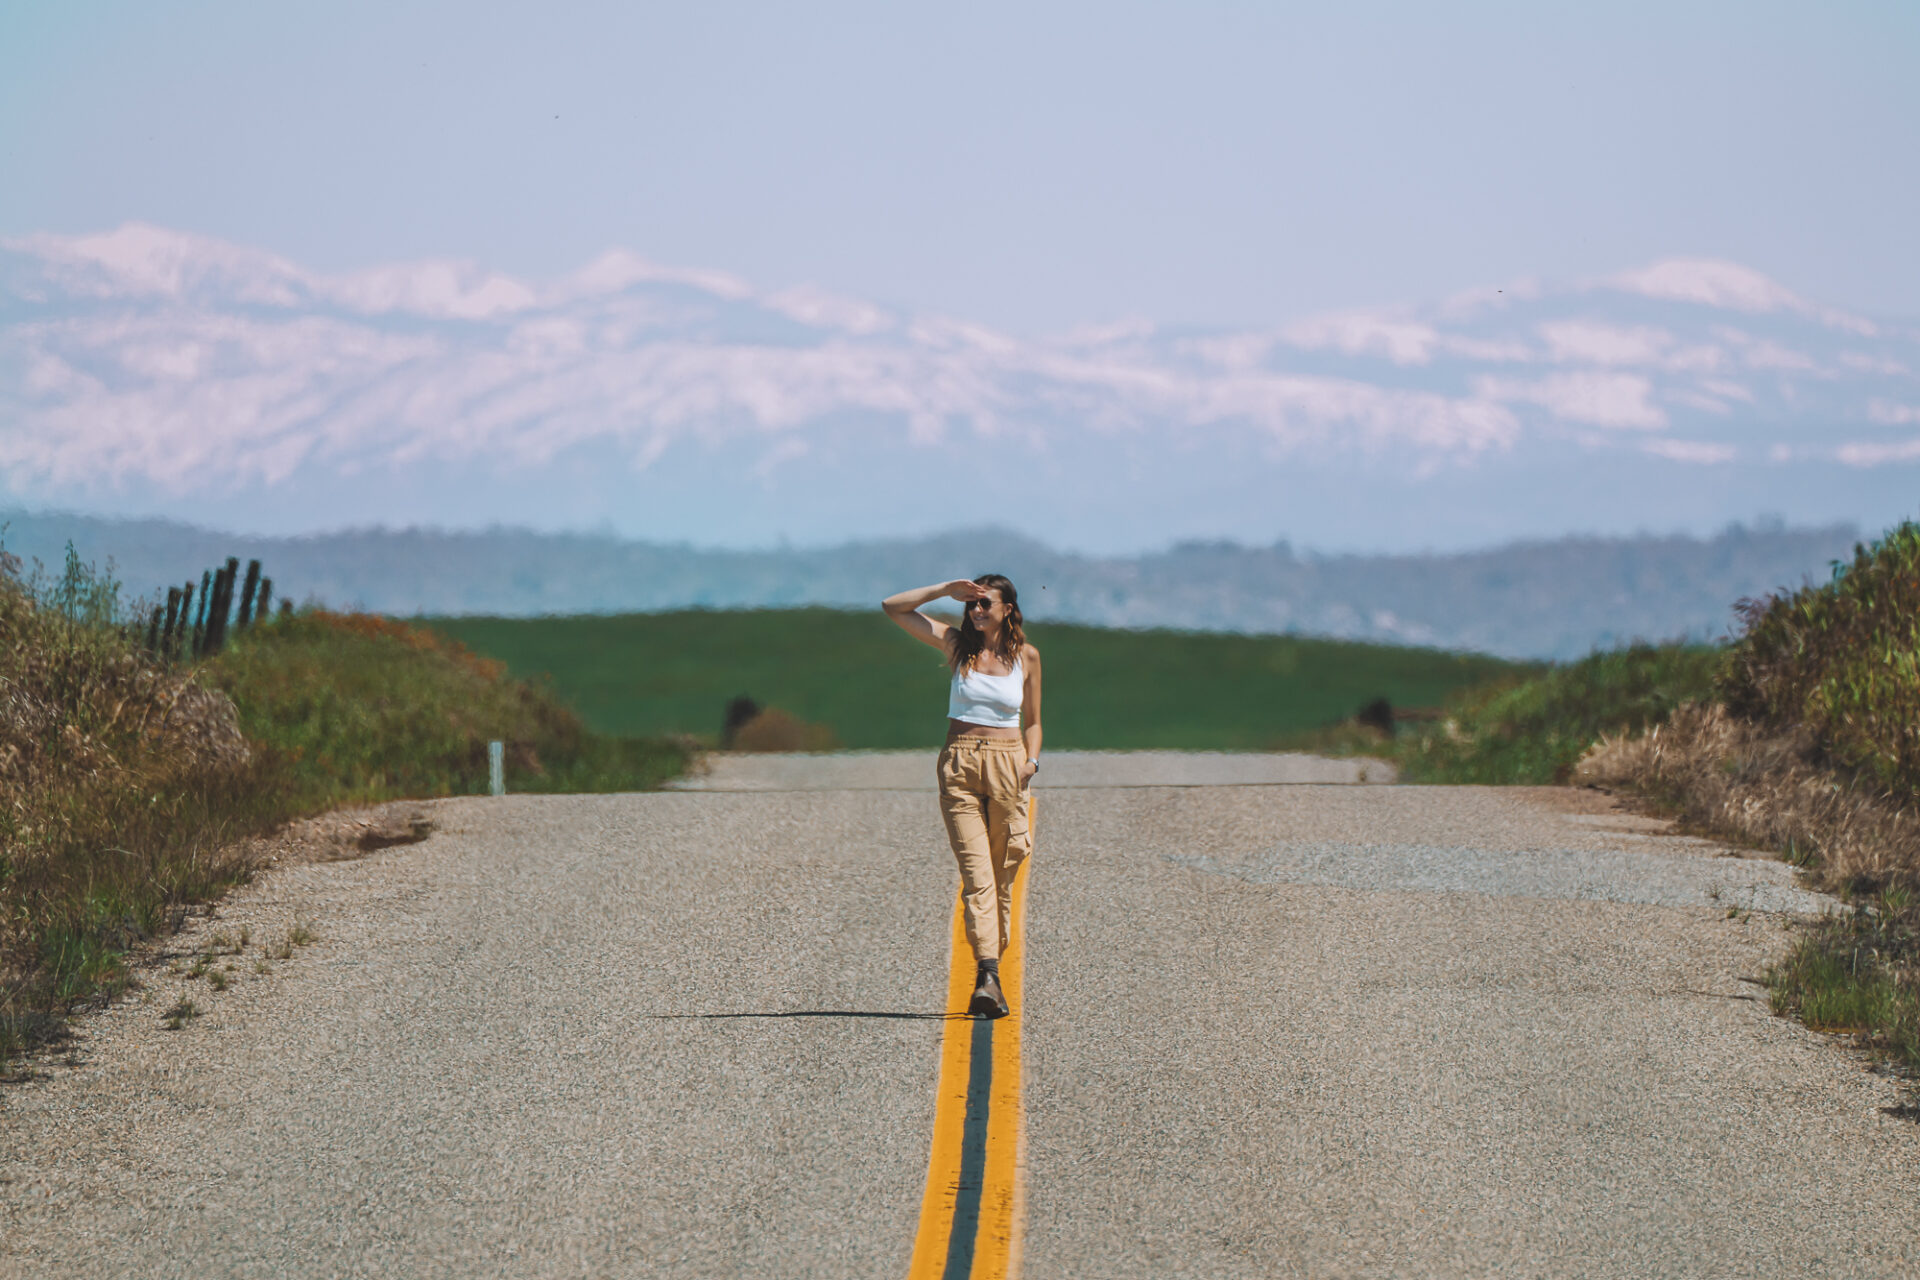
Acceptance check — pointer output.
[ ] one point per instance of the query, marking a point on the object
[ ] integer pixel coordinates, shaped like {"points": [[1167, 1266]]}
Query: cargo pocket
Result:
{"points": [[1019, 829]]}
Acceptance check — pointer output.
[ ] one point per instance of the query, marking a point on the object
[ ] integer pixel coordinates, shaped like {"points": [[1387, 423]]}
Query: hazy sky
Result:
{"points": [[1030, 166]]}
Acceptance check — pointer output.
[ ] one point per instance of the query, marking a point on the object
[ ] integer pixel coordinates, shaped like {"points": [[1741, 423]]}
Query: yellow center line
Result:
{"points": [[971, 1211]]}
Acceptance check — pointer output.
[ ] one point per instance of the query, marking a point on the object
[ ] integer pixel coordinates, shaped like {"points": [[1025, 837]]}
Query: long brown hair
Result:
{"points": [[967, 642]]}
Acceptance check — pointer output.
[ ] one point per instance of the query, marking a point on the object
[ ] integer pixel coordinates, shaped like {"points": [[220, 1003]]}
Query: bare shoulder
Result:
{"points": [[1029, 655]]}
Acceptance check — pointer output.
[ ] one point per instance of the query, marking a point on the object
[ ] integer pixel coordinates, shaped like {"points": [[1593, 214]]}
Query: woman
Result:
{"points": [[989, 761]]}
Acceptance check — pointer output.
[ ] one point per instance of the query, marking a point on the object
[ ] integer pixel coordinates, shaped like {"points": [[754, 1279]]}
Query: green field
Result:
{"points": [[873, 686]]}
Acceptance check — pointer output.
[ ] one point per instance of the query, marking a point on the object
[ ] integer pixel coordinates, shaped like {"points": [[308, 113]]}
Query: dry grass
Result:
{"points": [[1855, 973], [126, 785], [1766, 788]]}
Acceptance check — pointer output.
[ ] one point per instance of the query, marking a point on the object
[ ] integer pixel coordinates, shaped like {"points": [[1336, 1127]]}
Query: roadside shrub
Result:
{"points": [[1842, 659], [1837, 664], [774, 730], [1813, 750]]}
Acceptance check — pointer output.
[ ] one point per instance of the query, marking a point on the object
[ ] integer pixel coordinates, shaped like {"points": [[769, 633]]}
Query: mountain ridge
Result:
{"points": [[154, 371]]}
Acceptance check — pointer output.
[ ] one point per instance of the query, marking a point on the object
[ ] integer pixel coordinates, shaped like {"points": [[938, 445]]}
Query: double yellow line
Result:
{"points": [[970, 1213]]}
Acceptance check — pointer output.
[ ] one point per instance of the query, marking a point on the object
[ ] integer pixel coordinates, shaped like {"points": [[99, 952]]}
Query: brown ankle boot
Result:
{"points": [[987, 1000]]}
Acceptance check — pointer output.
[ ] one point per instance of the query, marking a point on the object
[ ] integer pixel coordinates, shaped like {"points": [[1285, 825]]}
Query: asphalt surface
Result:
{"points": [[1270, 1029]]}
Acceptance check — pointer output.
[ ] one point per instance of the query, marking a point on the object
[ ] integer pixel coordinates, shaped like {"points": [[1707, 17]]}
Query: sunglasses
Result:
{"points": [[982, 604]]}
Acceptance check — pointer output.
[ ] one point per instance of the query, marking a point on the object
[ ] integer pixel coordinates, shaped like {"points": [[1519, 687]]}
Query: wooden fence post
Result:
{"points": [[222, 605], [173, 620], [200, 618], [246, 595], [185, 632]]}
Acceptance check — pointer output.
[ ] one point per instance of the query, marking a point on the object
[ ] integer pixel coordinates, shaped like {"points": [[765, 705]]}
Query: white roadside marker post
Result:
{"points": [[497, 768]]}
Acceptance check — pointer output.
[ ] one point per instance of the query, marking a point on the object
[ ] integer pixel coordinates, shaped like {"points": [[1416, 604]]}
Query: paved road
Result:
{"points": [[1269, 1030]]}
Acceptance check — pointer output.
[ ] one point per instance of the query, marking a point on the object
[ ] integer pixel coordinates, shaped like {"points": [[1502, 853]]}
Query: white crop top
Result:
{"points": [[993, 701]]}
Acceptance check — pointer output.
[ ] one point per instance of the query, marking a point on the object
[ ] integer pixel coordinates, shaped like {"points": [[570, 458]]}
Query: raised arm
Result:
{"points": [[904, 609]]}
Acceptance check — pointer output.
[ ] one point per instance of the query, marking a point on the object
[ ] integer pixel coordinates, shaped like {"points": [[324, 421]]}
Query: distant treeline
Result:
{"points": [[1546, 599]]}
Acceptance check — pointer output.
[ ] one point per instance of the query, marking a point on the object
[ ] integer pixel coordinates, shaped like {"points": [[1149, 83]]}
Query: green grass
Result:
{"points": [[873, 686], [363, 709], [1531, 731], [1852, 974]]}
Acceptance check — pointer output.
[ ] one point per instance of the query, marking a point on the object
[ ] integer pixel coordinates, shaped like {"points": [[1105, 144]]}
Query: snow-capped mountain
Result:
{"points": [[148, 371]]}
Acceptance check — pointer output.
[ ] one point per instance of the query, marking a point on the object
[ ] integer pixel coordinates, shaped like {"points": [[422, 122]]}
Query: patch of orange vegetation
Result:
{"points": [[373, 626]]}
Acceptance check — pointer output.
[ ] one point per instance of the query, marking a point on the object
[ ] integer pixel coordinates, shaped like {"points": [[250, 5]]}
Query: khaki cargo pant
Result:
{"points": [[986, 813]]}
